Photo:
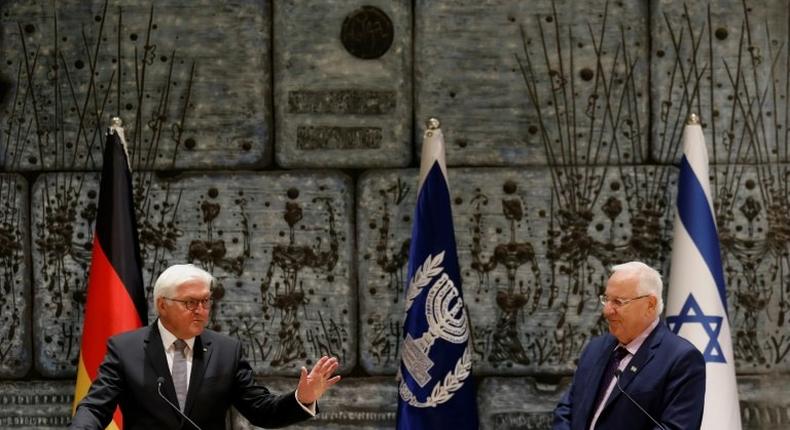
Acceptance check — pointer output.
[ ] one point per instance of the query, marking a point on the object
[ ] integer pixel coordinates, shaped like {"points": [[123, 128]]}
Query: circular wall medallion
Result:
{"points": [[367, 33]]}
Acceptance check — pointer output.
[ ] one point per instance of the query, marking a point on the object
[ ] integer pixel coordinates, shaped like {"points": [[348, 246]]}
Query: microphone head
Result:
{"points": [[160, 380], [617, 373]]}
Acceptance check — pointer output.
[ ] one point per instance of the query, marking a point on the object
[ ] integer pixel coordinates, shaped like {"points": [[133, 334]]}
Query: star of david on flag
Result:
{"points": [[435, 384], [697, 295], [691, 313]]}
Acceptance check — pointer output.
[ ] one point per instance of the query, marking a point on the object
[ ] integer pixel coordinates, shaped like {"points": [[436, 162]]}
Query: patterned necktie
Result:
{"points": [[608, 374], [180, 371]]}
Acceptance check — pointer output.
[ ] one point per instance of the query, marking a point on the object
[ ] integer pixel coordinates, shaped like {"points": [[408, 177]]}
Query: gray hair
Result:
{"points": [[178, 274], [649, 280]]}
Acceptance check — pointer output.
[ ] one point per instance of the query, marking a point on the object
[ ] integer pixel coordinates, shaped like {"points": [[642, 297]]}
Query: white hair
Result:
{"points": [[177, 274], [648, 281]]}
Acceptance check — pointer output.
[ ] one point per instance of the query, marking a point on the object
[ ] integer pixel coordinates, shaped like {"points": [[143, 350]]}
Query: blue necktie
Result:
{"points": [[608, 374]]}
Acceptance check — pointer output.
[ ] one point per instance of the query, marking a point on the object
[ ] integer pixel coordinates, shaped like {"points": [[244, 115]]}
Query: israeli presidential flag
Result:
{"points": [[435, 383], [697, 298]]}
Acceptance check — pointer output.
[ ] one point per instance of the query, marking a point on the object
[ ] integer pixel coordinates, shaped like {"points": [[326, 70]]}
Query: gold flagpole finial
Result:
{"points": [[116, 122], [432, 123], [693, 119]]}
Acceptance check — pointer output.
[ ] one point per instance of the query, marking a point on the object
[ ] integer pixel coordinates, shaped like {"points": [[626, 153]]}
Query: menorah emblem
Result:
{"points": [[444, 311]]}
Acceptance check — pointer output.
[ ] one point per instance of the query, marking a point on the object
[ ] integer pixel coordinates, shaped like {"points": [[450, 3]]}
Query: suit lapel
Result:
{"points": [[594, 380], [200, 358], [640, 360], [155, 354]]}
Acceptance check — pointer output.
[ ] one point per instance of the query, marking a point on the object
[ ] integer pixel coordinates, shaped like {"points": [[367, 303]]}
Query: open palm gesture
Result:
{"points": [[313, 385]]}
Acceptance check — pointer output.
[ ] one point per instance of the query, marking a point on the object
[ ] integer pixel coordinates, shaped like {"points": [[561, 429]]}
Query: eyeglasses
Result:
{"points": [[192, 304], [616, 302]]}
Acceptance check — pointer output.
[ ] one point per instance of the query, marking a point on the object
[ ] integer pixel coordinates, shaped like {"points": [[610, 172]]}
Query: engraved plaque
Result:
{"points": [[279, 245], [342, 72], [534, 248], [367, 33], [517, 403], [36, 405], [726, 61], [354, 403], [15, 347], [190, 98], [527, 82]]}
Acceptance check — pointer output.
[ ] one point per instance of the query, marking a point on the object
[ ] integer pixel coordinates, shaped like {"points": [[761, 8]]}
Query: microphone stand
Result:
{"points": [[159, 381], [617, 374]]}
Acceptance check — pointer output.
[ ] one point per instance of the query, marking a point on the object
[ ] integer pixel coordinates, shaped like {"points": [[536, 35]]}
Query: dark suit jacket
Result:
{"points": [[219, 378], [666, 377]]}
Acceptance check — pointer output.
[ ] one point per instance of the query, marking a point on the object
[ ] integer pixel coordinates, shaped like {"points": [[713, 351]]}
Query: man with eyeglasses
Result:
{"points": [[640, 375], [177, 374]]}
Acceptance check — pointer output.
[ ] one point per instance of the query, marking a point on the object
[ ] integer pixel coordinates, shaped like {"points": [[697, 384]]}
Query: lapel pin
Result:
{"points": [[205, 349], [633, 369]]}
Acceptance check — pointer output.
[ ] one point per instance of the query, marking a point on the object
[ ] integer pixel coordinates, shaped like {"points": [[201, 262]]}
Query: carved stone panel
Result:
{"points": [[279, 244], [517, 403], [191, 95], [355, 403], [16, 352], [342, 71], [534, 248], [518, 83], [36, 405], [764, 402], [727, 61], [753, 216]]}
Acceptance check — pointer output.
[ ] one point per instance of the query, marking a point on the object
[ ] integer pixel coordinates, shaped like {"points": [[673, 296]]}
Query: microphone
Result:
{"points": [[161, 380], [617, 374]]}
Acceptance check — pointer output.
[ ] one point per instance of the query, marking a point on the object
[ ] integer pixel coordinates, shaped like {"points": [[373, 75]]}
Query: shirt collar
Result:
{"points": [[634, 345], [168, 338]]}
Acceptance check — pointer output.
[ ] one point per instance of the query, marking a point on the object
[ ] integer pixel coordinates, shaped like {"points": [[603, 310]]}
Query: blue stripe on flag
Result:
{"points": [[696, 216]]}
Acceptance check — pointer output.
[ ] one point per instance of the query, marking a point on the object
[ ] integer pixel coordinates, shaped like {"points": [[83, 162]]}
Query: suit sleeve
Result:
{"points": [[261, 407], [563, 412], [96, 409], [685, 394]]}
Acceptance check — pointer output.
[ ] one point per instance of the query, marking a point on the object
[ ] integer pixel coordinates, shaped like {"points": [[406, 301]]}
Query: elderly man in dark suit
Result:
{"points": [[198, 371], [663, 373]]}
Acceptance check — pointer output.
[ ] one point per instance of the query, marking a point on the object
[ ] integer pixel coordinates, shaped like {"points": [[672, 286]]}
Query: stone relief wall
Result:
{"points": [[562, 121]]}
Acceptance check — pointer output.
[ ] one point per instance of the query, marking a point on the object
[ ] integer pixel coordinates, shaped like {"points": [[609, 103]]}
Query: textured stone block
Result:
{"points": [[279, 244], [191, 96], [764, 402], [355, 403], [63, 208], [534, 247], [16, 351], [342, 73], [519, 83], [36, 405], [517, 403], [725, 60], [753, 217]]}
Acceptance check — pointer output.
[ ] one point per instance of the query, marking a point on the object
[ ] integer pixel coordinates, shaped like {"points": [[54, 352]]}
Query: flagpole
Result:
{"points": [[697, 298]]}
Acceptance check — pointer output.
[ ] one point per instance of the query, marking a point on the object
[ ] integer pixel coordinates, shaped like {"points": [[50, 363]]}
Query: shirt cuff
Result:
{"points": [[309, 409]]}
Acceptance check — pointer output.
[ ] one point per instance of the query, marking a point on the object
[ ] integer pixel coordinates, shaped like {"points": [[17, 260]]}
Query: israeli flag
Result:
{"points": [[435, 383], [697, 297]]}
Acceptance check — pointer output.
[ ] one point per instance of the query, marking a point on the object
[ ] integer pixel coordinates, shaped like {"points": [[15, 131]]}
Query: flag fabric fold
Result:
{"points": [[436, 387], [115, 294], [697, 297]]}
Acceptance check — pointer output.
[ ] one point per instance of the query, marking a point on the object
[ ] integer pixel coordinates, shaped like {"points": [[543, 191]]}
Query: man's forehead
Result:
{"points": [[193, 287], [622, 281]]}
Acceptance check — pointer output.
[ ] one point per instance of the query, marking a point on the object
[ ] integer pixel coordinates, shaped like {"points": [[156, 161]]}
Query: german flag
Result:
{"points": [[115, 296]]}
